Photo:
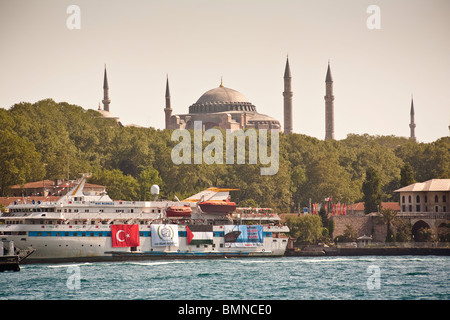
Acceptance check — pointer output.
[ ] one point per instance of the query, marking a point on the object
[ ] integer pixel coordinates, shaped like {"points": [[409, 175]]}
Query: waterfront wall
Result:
{"points": [[364, 225]]}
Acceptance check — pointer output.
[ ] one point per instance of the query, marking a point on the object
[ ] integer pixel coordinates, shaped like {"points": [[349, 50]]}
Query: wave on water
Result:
{"points": [[156, 263], [69, 265]]}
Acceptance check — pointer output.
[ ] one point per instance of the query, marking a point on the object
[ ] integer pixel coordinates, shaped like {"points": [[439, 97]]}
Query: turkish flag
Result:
{"points": [[125, 235]]}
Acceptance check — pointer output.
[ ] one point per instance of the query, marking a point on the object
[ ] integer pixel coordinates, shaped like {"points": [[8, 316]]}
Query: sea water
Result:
{"points": [[287, 278]]}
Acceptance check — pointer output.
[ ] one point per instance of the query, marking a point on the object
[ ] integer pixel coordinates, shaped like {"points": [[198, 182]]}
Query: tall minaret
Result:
{"points": [[412, 125], [105, 100], [329, 106], [167, 109], [287, 94]]}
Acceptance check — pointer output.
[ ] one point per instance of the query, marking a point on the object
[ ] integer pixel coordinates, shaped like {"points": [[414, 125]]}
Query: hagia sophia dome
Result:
{"points": [[222, 107]]}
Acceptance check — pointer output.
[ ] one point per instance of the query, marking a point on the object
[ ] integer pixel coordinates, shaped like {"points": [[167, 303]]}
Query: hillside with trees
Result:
{"points": [[49, 140]]}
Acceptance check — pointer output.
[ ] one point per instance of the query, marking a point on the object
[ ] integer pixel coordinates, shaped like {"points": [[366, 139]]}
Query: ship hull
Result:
{"points": [[94, 243]]}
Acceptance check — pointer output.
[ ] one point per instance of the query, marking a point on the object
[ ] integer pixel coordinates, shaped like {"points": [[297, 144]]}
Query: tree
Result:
{"points": [[389, 217], [118, 185], [306, 228], [403, 230], [372, 191], [19, 161], [424, 235], [406, 175], [148, 177], [349, 235]]}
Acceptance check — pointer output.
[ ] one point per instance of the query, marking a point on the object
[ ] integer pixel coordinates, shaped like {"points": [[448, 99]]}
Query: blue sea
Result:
{"points": [[287, 278]]}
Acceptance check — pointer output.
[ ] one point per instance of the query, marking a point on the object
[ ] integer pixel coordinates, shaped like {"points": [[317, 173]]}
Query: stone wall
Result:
{"points": [[364, 225]]}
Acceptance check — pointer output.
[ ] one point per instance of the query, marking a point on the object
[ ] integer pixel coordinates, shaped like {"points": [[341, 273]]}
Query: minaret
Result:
{"points": [[105, 100], [287, 94], [329, 106], [167, 109], [412, 125]]}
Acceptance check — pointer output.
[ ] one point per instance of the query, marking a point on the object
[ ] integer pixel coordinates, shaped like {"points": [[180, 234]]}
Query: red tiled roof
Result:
{"points": [[359, 206], [34, 185]]}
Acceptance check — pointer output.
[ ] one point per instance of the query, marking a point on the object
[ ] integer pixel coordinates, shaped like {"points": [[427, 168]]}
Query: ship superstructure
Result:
{"points": [[93, 227]]}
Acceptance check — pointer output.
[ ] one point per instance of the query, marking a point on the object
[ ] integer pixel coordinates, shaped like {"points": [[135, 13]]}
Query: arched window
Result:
{"points": [[418, 199], [409, 199], [403, 199], [436, 198]]}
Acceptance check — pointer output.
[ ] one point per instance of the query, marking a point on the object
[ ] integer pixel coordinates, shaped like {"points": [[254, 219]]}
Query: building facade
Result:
{"points": [[432, 196]]}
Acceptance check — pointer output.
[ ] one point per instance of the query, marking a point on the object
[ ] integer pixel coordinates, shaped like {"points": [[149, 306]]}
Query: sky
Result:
{"points": [[196, 42]]}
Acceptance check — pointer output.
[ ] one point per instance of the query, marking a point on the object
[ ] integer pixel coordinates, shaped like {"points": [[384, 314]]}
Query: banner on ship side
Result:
{"points": [[125, 235], [243, 235], [164, 235], [199, 234]]}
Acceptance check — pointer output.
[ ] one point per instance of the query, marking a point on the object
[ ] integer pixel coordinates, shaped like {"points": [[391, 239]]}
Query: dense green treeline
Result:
{"points": [[57, 140]]}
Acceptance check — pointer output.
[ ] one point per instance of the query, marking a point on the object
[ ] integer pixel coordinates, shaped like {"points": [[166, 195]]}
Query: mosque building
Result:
{"points": [[220, 107]]}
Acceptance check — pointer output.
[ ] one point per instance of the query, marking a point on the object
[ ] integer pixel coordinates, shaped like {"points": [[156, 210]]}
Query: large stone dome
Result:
{"points": [[221, 99], [222, 94]]}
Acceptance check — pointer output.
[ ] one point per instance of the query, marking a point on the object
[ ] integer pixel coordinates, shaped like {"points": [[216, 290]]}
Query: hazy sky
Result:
{"points": [[245, 41]]}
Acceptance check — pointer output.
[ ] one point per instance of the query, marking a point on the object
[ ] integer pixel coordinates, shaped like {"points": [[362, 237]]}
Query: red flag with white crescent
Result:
{"points": [[125, 235]]}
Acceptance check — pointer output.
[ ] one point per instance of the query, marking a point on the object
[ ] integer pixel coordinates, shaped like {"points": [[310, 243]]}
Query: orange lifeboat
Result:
{"points": [[218, 206], [179, 211]]}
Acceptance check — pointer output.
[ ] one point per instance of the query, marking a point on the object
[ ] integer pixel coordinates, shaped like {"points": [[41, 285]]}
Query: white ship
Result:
{"points": [[92, 227]]}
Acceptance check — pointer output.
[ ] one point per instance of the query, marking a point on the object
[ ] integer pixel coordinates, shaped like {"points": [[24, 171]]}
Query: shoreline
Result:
{"points": [[378, 251]]}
